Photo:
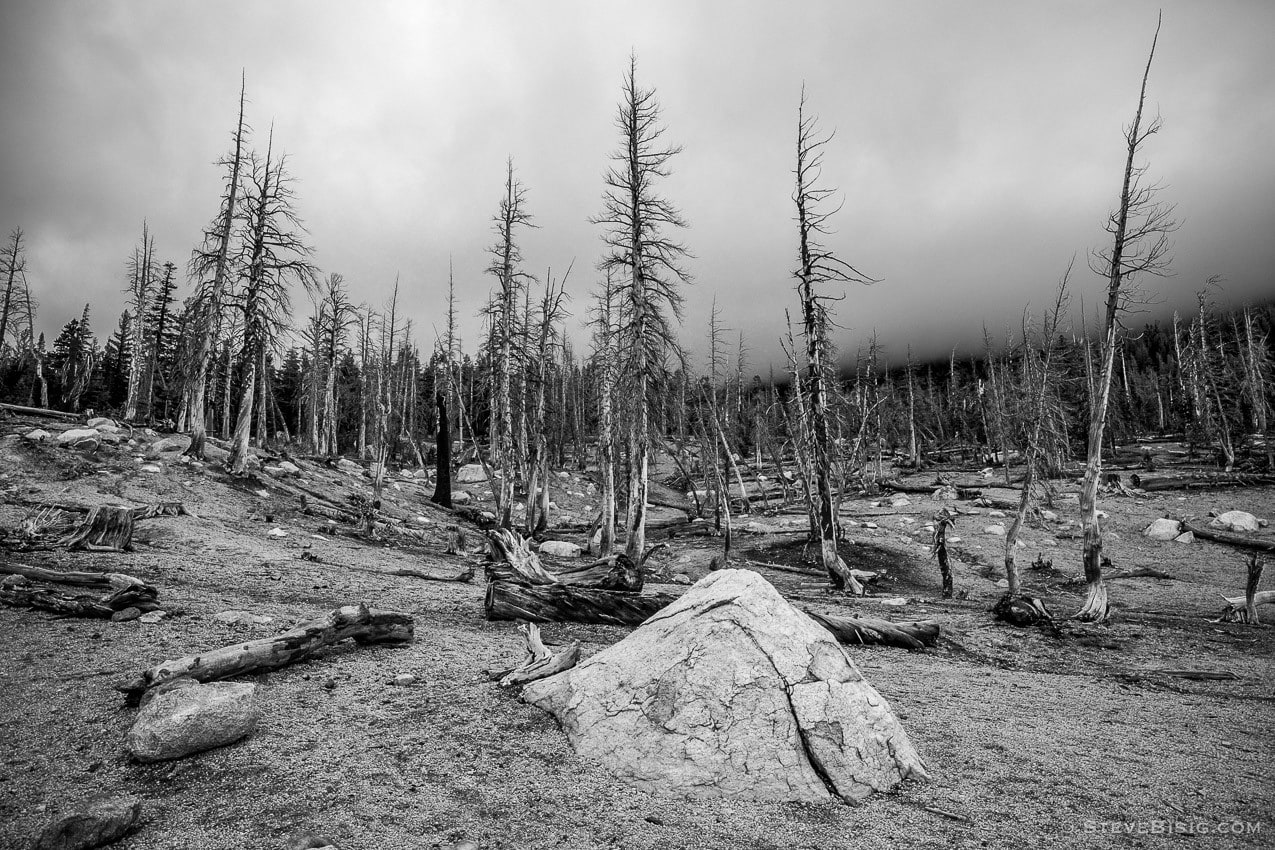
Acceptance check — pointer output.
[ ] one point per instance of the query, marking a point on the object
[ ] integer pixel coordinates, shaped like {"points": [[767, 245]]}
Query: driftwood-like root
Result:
{"points": [[513, 561], [540, 662], [867, 631], [507, 600]]}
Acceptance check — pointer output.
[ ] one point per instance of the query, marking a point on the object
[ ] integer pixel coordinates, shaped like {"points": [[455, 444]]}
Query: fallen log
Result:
{"points": [[40, 411], [617, 572], [508, 600], [540, 662], [866, 631], [1202, 482], [357, 622], [466, 574], [1229, 538], [120, 592]]}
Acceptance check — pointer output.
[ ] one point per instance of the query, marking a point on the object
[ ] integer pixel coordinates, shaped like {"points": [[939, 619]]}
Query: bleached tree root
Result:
{"points": [[357, 622], [540, 662], [1096, 608], [513, 561]]}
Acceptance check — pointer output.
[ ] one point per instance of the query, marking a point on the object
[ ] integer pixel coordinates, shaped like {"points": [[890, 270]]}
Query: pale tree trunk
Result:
{"points": [[213, 303]]}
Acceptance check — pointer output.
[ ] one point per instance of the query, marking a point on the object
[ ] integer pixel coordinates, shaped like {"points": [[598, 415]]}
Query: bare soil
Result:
{"points": [[1032, 739]]}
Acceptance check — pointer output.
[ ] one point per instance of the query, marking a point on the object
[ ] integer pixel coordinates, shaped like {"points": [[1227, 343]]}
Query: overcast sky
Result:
{"points": [[978, 144]]}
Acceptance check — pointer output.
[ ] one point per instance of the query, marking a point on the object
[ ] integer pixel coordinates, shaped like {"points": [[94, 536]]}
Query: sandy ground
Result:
{"points": [[1031, 739]]}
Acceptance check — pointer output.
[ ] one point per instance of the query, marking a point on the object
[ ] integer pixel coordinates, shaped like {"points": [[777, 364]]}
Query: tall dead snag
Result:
{"points": [[635, 219], [1038, 371], [276, 255], [141, 270], [337, 314], [357, 622], [818, 266], [551, 312], [938, 548], [606, 359], [505, 267], [213, 259], [443, 455], [1140, 229]]}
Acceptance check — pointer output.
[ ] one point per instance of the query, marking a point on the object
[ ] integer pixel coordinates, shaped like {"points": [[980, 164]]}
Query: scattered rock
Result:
{"points": [[276, 532], [730, 691], [39, 435], [152, 617], [1184, 537], [900, 502], [471, 473], [97, 821], [1048, 516], [150, 468], [79, 438], [289, 467], [190, 717], [1236, 521], [995, 529], [175, 443], [1003, 583], [99, 421], [124, 615], [242, 618], [680, 578], [560, 549], [996, 513], [273, 471], [870, 525], [460, 497], [404, 679], [1163, 529]]}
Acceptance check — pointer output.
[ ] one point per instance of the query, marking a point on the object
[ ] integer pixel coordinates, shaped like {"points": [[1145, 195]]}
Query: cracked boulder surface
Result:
{"points": [[731, 691]]}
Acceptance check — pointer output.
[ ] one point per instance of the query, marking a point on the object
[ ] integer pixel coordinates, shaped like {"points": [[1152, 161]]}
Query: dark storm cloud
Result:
{"points": [[978, 145]]}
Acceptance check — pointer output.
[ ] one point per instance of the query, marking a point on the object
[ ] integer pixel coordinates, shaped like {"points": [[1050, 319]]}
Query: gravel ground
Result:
{"points": [[1030, 739]]}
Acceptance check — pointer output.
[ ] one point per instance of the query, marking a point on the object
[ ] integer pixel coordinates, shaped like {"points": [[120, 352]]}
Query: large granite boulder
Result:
{"points": [[730, 691], [1163, 529], [1236, 521], [471, 473], [190, 717]]}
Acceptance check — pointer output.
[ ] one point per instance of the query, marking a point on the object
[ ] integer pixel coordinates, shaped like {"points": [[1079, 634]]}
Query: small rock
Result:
{"points": [[907, 520], [471, 473], [953, 540], [559, 549], [39, 435], [870, 525], [900, 502], [1003, 583], [995, 529], [97, 821], [191, 717], [1163, 529], [126, 614], [404, 679], [996, 513], [99, 421], [329, 684], [460, 497], [242, 618], [175, 443], [680, 578], [79, 438], [1236, 521], [273, 471], [151, 468], [152, 617], [276, 532], [1048, 516], [1184, 537], [488, 515], [564, 474], [289, 467]]}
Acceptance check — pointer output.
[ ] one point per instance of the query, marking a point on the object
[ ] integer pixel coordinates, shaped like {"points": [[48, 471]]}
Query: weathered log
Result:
{"points": [[466, 574], [508, 600], [107, 528], [40, 411], [540, 662], [1202, 482], [866, 631], [1023, 611], [1229, 538], [617, 572], [357, 622], [900, 486], [1238, 608], [121, 591]]}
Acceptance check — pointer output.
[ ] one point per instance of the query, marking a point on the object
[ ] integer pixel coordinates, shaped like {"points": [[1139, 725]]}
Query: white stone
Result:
{"points": [[151, 468], [98, 421], [900, 502], [1184, 537], [404, 679], [39, 435], [996, 513], [995, 529], [560, 549], [730, 691], [191, 717], [289, 467], [460, 497], [1163, 529], [175, 443], [276, 532], [78, 437], [1236, 521], [1048, 516], [471, 473], [152, 617]]}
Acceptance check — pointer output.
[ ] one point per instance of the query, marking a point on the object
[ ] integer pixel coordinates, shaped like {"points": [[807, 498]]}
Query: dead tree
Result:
{"points": [[338, 314], [213, 258], [12, 265], [1140, 229], [551, 312], [818, 267], [604, 334], [646, 262], [938, 548], [506, 268], [141, 269], [275, 256]]}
